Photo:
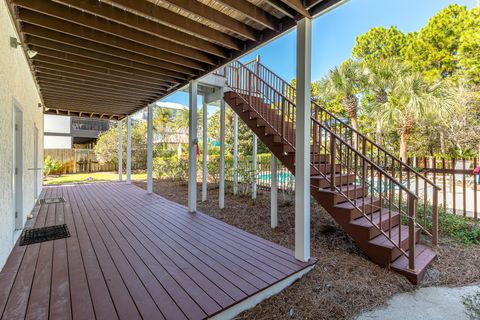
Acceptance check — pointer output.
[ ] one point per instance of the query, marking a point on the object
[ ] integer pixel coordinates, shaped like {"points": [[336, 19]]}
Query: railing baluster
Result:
{"points": [[411, 231], [332, 162]]}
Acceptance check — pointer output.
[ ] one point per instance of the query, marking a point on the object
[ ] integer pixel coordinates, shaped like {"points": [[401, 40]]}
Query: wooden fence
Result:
{"points": [[460, 187], [78, 160]]}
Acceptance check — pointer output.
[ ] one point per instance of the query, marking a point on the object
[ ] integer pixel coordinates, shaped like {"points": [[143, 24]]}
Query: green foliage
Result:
{"points": [[379, 43], [171, 168], [51, 166], [472, 305], [460, 228]]}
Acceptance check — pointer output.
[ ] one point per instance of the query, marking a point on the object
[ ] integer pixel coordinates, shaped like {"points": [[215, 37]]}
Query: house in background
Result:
{"points": [[65, 132]]}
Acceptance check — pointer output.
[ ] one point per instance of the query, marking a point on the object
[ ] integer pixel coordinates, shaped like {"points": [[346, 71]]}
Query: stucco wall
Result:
{"points": [[16, 87]]}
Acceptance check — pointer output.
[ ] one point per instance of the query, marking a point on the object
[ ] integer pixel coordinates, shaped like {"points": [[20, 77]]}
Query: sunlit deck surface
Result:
{"points": [[132, 255]]}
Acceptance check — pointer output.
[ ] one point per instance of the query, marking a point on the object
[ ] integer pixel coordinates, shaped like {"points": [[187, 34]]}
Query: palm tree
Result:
{"points": [[410, 99], [345, 83]]}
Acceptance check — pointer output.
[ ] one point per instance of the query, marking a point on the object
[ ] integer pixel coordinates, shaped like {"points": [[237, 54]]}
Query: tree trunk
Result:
{"points": [[442, 142], [378, 133], [354, 122], [403, 146]]}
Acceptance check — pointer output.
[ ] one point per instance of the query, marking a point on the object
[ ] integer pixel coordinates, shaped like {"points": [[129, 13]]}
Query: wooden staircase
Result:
{"points": [[377, 210]]}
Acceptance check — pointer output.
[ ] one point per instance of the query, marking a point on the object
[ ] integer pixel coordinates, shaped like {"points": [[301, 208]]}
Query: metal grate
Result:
{"points": [[51, 200], [31, 236]]}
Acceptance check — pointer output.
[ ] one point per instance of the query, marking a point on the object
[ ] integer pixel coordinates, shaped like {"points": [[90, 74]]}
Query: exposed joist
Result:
{"points": [[85, 114], [45, 33], [73, 29], [107, 79], [281, 7], [316, 7], [64, 92], [252, 12], [145, 25], [172, 19], [69, 87], [92, 63], [106, 27], [214, 16], [58, 50], [92, 81], [45, 78], [101, 105], [298, 6], [114, 74], [91, 99]]}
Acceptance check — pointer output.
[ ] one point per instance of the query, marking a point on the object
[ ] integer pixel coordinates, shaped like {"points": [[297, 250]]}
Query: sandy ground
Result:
{"points": [[344, 283]]}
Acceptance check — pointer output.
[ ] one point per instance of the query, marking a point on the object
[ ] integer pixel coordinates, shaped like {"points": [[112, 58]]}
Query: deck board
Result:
{"points": [[132, 255]]}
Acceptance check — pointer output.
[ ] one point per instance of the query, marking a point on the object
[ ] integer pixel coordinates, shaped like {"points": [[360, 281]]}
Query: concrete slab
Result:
{"points": [[425, 303]]}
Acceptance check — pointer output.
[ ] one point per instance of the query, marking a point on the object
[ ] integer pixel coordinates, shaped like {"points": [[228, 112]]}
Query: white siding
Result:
{"points": [[16, 87], [57, 142], [56, 124]]}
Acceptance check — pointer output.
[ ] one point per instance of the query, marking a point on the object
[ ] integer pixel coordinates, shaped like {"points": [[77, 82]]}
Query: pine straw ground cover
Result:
{"points": [[344, 282]]}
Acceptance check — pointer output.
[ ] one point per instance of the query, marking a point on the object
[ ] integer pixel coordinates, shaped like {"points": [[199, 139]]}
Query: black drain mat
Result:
{"points": [[51, 200], [31, 236]]}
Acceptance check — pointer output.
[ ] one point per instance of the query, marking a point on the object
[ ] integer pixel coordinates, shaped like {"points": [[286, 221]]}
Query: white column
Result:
{"points": [[273, 192], [129, 150], [204, 152], [254, 166], [150, 149], [192, 146], [302, 141], [235, 153], [221, 188], [120, 150]]}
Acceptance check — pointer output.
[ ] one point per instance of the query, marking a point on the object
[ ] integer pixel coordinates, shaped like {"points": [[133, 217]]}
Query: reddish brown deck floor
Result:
{"points": [[132, 255]]}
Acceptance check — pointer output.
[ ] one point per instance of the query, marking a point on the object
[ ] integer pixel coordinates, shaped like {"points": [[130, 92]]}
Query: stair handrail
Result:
{"points": [[249, 86], [404, 168]]}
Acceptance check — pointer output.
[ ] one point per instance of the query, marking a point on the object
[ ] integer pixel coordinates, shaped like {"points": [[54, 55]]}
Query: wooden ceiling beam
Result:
{"points": [[49, 93], [126, 71], [103, 78], [43, 78], [283, 8], [145, 25], [318, 6], [68, 87], [99, 28], [114, 74], [298, 6], [52, 23], [94, 106], [179, 22], [62, 91], [91, 81], [54, 49], [217, 17], [85, 114], [253, 12], [85, 107], [170, 69]]}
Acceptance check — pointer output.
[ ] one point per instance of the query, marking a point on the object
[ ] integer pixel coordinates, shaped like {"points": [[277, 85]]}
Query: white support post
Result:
{"points": [[120, 150], [204, 152], [302, 140], [221, 187], [192, 146], [150, 149], [235, 153], [129, 150], [254, 166], [273, 192]]}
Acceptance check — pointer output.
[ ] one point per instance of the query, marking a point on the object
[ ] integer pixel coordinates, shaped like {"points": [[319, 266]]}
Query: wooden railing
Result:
{"points": [[386, 177]]}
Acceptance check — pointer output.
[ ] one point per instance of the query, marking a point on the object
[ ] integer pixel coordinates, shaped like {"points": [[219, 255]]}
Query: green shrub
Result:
{"points": [[51, 166], [171, 168], [472, 305]]}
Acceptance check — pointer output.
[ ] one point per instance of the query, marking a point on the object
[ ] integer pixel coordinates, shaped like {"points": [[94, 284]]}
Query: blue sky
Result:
{"points": [[334, 33]]}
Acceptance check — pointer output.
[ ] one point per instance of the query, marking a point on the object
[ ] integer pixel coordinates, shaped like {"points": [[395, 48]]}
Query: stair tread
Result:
{"points": [[424, 255], [345, 188], [365, 222], [360, 201], [383, 241]]}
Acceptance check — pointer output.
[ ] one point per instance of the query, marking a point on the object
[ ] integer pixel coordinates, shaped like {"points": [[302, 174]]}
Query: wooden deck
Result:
{"points": [[131, 256]]}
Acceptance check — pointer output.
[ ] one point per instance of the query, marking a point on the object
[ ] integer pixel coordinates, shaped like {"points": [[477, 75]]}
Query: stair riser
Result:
{"points": [[323, 183], [335, 198], [366, 233], [383, 255], [354, 213]]}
